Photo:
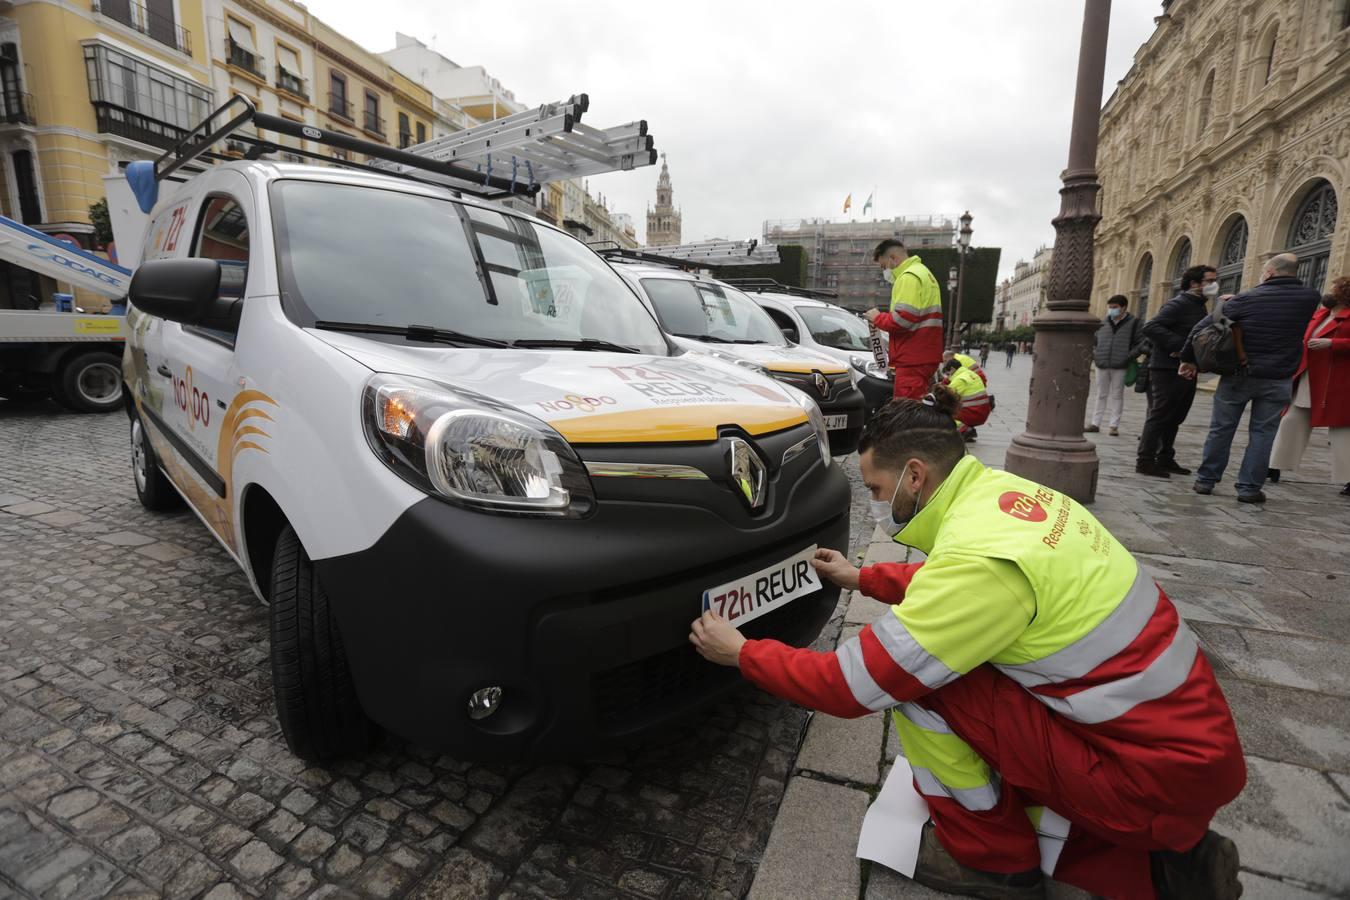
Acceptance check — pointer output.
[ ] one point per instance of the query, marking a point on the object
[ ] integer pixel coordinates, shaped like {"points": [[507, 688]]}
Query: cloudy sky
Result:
{"points": [[778, 111]]}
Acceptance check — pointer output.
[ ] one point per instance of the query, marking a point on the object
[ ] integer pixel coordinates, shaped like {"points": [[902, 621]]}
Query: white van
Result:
{"points": [[480, 490]]}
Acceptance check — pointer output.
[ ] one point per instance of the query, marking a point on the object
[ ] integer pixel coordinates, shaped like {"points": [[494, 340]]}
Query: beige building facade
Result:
{"points": [[1026, 289], [1227, 141]]}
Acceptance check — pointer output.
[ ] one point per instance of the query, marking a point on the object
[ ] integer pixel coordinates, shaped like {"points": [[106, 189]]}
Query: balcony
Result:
{"points": [[405, 140], [240, 58], [134, 126], [340, 106], [373, 124], [156, 26], [16, 108], [291, 83]]}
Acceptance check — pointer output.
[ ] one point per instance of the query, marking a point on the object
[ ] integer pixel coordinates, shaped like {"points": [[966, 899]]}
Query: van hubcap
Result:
{"points": [[99, 383], [138, 454]]}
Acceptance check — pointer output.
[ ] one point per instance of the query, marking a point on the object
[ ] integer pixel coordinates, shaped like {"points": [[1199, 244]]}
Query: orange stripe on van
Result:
{"points": [[676, 423], [805, 368]]}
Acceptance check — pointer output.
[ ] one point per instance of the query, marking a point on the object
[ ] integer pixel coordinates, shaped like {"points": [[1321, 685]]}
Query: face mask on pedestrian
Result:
{"points": [[888, 275], [1210, 290], [884, 511], [1114, 312]]}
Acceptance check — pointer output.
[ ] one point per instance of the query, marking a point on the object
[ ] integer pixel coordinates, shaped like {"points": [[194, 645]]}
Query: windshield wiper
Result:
{"points": [[579, 344], [706, 338], [412, 332]]}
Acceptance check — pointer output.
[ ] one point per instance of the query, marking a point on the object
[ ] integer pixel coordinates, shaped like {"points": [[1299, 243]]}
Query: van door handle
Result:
{"points": [[164, 370]]}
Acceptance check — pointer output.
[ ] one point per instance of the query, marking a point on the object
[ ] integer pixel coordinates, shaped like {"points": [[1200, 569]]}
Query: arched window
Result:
{"points": [[1182, 261], [1310, 233], [1266, 54], [1206, 102], [1231, 257], [1145, 276]]}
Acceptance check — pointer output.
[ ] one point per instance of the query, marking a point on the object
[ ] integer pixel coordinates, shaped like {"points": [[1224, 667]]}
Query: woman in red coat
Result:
{"points": [[1321, 389]]}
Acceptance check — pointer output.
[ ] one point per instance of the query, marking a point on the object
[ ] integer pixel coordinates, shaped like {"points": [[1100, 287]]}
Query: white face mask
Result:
{"points": [[884, 512], [1113, 312], [1211, 290], [888, 275]]}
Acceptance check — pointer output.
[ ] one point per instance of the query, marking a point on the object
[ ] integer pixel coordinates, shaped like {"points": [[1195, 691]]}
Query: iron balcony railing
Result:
{"points": [[340, 106], [373, 123], [240, 58], [130, 124], [159, 27], [291, 83], [16, 108]]}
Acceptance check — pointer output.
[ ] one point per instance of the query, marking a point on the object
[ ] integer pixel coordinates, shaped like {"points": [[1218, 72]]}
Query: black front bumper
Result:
{"points": [[840, 398], [583, 623], [877, 392]]}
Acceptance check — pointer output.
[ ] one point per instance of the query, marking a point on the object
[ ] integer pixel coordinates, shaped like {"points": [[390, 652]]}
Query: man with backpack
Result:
{"points": [[1118, 342], [1268, 323], [1170, 395]]}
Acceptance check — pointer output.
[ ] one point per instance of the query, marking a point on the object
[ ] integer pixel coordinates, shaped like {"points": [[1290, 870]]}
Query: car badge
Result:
{"points": [[748, 472], [822, 386]]}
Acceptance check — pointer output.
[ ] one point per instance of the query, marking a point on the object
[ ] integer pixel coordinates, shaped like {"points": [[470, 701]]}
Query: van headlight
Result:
{"points": [[473, 451], [817, 421]]}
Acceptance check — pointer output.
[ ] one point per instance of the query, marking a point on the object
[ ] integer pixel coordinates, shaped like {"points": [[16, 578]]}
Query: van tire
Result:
{"points": [[89, 382], [153, 487], [320, 714]]}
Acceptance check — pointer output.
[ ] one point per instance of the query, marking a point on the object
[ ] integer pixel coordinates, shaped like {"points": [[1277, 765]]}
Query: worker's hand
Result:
{"points": [[1187, 371], [835, 566], [1176, 354], [871, 314], [716, 639], [1319, 343]]}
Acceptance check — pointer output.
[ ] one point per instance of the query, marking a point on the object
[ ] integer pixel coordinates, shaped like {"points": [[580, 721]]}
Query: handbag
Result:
{"points": [[1131, 372]]}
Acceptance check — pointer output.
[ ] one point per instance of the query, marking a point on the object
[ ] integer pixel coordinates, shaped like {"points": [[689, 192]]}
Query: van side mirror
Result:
{"points": [[185, 291]]}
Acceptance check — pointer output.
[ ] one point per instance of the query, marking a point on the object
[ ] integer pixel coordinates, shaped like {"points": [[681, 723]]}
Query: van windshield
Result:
{"points": [[837, 328], [348, 253], [711, 313]]}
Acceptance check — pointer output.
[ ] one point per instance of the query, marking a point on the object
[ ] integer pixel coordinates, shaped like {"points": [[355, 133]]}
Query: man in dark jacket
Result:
{"points": [[1170, 395], [1118, 341], [1272, 317]]}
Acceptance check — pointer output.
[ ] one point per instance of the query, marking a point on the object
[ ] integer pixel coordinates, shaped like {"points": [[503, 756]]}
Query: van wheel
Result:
{"points": [[316, 700], [90, 382], [153, 488]]}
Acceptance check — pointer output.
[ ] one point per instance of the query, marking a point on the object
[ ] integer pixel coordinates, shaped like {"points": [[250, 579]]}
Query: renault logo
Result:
{"points": [[822, 386], [747, 472]]}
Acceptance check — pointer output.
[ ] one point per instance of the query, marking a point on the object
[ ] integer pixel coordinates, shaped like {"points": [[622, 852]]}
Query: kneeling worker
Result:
{"points": [[1042, 684], [976, 402]]}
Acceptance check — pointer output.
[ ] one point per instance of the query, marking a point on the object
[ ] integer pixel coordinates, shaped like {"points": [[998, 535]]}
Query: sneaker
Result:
{"points": [[1152, 469], [1091, 429], [937, 869], [1201, 488], [1171, 466], [1346, 492], [1207, 871], [1258, 497], [1114, 432], [971, 435], [1273, 476]]}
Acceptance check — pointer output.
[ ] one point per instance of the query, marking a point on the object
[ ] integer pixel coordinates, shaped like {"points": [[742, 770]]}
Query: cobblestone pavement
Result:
{"points": [[140, 754]]}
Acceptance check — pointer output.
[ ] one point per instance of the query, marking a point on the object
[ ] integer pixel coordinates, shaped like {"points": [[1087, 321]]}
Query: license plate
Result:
{"points": [[836, 423], [766, 590]]}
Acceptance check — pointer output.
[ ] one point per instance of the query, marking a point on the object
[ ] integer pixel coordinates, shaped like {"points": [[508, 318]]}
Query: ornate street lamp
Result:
{"points": [[1053, 451], [951, 304], [963, 244]]}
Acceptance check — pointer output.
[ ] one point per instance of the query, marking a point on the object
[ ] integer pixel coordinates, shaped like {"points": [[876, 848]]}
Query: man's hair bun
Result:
{"points": [[945, 399]]}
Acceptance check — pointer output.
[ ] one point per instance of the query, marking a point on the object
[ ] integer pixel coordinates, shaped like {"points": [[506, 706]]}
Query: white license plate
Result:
{"points": [[766, 590], [836, 423]]}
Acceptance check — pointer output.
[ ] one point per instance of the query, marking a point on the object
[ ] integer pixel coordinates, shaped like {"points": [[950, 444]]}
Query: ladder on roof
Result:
{"points": [[548, 143], [723, 253]]}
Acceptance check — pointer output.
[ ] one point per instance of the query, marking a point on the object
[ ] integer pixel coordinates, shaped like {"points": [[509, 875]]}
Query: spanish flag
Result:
{"points": [[848, 201]]}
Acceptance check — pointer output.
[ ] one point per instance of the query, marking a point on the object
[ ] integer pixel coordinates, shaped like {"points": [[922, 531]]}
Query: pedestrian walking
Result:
{"points": [[1118, 342], [1273, 317], [1321, 390], [984, 355], [914, 319], [1036, 673], [1011, 350], [1170, 395]]}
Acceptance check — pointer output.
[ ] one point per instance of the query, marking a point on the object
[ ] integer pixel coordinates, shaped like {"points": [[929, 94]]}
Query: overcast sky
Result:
{"points": [[779, 111]]}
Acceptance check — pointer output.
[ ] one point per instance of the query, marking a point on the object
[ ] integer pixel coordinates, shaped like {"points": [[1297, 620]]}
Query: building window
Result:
{"points": [[138, 101], [404, 131], [421, 132], [372, 122], [1310, 234], [154, 18], [16, 107], [1231, 257], [1267, 53], [1181, 261], [25, 178], [1206, 101], [831, 280], [288, 72], [240, 50], [338, 104], [1145, 278]]}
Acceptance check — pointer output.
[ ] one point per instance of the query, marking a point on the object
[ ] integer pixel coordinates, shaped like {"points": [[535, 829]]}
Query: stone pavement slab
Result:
{"points": [[1295, 661], [811, 851], [1300, 727], [846, 750]]}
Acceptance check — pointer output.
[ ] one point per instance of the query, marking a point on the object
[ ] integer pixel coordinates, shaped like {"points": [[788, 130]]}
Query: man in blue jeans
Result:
{"points": [[1273, 317]]}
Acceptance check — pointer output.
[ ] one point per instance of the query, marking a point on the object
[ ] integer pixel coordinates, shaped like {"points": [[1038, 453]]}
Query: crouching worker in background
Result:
{"points": [[976, 401], [1041, 683]]}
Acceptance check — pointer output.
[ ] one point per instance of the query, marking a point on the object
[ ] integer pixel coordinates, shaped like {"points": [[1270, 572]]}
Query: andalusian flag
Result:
{"points": [[848, 202], [868, 204]]}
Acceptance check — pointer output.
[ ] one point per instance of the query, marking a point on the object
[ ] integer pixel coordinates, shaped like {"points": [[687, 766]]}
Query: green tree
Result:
{"points": [[102, 222]]}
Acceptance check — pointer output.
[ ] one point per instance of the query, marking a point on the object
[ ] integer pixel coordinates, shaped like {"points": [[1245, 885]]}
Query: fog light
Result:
{"points": [[484, 702]]}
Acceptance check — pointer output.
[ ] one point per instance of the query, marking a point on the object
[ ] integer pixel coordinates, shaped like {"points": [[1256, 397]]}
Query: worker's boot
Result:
{"points": [[937, 869], [1207, 871]]}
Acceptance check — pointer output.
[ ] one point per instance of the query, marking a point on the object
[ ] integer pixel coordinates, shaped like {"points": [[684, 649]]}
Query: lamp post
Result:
{"points": [[963, 242], [951, 301], [1052, 450]]}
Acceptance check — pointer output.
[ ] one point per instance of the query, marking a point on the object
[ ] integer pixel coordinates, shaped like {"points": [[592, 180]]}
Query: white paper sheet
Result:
{"points": [[894, 822]]}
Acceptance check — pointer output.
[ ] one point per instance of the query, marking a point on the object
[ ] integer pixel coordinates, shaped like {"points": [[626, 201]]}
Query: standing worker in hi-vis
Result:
{"points": [[1056, 712], [914, 321]]}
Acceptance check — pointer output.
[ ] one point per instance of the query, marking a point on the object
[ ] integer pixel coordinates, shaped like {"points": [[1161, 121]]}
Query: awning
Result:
{"points": [[241, 35]]}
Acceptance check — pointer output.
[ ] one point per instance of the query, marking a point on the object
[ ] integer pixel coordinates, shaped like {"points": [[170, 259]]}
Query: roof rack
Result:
{"points": [[725, 253], [616, 252], [770, 286], [547, 143], [197, 144]]}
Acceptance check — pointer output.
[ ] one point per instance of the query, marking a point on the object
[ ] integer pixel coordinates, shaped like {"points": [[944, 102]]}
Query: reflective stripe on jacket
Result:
{"points": [[914, 322], [975, 406]]}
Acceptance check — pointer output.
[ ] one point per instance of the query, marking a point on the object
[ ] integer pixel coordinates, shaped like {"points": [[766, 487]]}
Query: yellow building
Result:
{"points": [[86, 88]]}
